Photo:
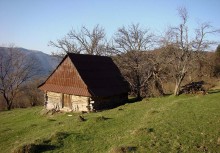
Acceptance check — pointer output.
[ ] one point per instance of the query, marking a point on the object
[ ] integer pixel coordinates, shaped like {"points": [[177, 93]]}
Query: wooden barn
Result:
{"points": [[85, 83]]}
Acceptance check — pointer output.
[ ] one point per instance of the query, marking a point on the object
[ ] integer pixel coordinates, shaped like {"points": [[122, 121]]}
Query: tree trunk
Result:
{"points": [[8, 102], [8, 107], [178, 83], [159, 87], [138, 97], [177, 88], [138, 87]]}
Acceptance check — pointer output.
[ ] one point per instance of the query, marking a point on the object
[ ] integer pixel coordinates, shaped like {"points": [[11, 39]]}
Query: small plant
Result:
{"points": [[81, 118]]}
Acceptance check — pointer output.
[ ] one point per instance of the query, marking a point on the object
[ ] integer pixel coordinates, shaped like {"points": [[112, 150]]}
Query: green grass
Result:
{"points": [[168, 124]]}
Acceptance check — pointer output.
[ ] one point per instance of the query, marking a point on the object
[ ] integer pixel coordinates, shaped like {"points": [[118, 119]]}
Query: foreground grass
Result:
{"points": [[168, 124]]}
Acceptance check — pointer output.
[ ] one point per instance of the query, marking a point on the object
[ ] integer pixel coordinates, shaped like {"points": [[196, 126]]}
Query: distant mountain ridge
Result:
{"points": [[47, 63]]}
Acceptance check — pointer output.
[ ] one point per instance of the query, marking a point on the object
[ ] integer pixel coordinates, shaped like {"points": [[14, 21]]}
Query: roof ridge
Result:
{"points": [[78, 54]]}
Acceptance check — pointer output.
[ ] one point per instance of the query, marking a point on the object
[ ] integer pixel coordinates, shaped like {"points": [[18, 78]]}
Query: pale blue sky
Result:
{"points": [[33, 23]]}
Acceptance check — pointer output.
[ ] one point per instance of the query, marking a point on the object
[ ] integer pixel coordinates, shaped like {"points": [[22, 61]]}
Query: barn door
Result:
{"points": [[66, 100]]}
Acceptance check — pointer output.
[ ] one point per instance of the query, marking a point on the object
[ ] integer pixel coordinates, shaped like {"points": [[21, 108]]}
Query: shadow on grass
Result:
{"points": [[42, 148], [101, 118], [42, 145], [123, 149], [213, 91], [34, 148], [167, 94], [134, 99]]}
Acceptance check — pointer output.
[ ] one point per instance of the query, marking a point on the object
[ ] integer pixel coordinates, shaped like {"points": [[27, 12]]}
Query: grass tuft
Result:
{"points": [[81, 118]]}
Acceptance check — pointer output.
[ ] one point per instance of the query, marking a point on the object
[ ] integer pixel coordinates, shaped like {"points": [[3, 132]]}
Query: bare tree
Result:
{"points": [[131, 42], [15, 71], [216, 62], [85, 41], [181, 49]]}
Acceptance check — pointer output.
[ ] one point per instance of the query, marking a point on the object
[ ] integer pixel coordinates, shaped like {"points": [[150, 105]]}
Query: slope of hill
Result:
{"points": [[168, 124], [46, 62]]}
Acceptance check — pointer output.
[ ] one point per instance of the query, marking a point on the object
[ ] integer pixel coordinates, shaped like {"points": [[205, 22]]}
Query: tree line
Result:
{"points": [[181, 52]]}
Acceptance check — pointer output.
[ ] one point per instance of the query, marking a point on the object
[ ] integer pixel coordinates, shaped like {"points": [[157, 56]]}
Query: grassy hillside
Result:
{"points": [[168, 124]]}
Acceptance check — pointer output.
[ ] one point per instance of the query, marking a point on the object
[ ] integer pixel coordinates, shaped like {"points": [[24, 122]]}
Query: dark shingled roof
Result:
{"points": [[101, 76]]}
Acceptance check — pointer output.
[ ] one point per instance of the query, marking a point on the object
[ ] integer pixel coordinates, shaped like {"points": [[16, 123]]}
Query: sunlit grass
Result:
{"points": [[166, 124]]}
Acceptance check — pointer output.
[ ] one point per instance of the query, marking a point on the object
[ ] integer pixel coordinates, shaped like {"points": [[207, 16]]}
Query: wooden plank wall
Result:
{"points": [[54, 100], [80, 103]]}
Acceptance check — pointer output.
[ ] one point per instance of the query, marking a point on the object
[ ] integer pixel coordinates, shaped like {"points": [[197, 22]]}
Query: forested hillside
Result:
{"points": [[21, 72], [46, 63]]}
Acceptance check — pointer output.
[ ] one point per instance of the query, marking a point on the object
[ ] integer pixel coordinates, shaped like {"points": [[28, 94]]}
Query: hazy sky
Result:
{"points": [[32, 24]]}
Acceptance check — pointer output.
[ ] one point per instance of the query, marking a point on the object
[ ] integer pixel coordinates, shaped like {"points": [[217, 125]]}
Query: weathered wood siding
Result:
{"points": [[67, 102], [54, 100], [80, 103], [66, 79]]}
